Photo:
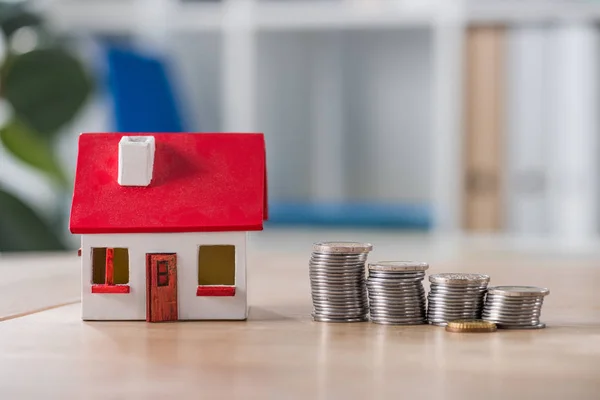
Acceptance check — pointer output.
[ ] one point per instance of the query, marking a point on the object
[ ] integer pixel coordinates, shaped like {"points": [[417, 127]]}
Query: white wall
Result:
{"points": [[132, 306]]}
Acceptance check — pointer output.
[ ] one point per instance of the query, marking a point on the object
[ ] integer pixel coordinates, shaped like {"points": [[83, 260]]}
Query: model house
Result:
{"points": [[163, 220]]}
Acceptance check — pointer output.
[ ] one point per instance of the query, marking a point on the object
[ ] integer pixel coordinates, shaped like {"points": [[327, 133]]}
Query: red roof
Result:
{"points": [[202, 182]]}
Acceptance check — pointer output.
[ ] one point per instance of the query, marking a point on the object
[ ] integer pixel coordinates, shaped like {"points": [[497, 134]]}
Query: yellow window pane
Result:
{"points": [[98, 265], [121, 266], [216, 265]]}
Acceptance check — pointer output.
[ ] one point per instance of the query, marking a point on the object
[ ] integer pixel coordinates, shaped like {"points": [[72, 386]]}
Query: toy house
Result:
{"points": [[163, 220]]}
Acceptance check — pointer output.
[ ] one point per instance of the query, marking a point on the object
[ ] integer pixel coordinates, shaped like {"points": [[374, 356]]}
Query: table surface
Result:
{"points": [[46, 351]]}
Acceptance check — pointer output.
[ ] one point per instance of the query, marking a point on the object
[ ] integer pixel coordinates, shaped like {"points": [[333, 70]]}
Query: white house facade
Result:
{"points": [[186, 247]]}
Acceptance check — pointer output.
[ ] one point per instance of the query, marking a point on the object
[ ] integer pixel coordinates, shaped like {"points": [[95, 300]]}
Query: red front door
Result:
{"points": [[161, 296]]}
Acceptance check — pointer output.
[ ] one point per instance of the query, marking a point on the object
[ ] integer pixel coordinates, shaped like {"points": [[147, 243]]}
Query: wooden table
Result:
{"points": [[47, 352]]}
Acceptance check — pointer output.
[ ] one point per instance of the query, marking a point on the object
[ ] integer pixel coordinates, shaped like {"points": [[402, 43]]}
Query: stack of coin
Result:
{"points": [[456, 296], [515, 307], [337, 278], [396, 293]]}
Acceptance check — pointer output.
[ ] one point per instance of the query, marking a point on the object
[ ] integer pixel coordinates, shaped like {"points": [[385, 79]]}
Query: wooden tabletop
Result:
{"points": [[46, 351]]}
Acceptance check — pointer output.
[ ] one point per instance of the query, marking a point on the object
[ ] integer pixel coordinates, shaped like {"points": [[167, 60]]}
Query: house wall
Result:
{"points": [[132, 306]]}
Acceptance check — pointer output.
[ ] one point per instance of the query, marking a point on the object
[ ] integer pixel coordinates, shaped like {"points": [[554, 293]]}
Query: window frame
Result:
{"points": [[109, 287], [217, 290]]}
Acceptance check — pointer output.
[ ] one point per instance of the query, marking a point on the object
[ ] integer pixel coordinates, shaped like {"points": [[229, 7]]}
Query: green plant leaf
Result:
{"points": [[28, 147], [46, 88], [21, 229]]}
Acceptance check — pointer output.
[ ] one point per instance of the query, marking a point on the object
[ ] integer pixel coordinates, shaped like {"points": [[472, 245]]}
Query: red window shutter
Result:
{"points": [[110, 254]]}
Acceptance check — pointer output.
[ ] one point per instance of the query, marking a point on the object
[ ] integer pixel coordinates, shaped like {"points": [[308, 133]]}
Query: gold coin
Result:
{"points": [[471, 326]]}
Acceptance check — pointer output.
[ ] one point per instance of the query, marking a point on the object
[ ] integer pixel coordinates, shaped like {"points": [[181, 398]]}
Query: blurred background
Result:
{"points": [[433, 116]]}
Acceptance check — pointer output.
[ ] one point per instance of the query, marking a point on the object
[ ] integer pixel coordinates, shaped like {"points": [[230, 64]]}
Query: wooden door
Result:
{"points": [[161, 296]]}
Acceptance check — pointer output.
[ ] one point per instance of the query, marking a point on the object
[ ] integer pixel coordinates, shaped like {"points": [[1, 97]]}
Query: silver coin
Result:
{"points": [[446, 314], [539, 325], [339, 286], [397, 289], [447, 311], [341, 289], [342, 247], [339, 254], [338, 301], [337, 257], [391, 285], [465, 295], [457, 290], [459, 278], [396, 274], [344, 281], [397, 294], [399, 313], [398, 299], [339, 294], [515, 300], [407, 278], [395, 314], [395, 308], [398, 266], [320, 275], [519, 291], [401, 303], [457, 299], [394, 320], [454, 301], [531, 322], [384, 322], [340, 311], [511, 307], [452, 317], [333, 264], [511, 315], [339, 305], [320, 258], [453, 305], [505, 313], [320, 318]]}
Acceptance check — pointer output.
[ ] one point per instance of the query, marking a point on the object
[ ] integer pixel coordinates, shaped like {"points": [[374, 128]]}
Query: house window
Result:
{"points": [[216, 270], [110, 270]]}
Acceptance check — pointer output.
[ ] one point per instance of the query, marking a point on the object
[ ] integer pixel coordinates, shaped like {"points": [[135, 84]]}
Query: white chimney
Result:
{"points": [[136, 160]]}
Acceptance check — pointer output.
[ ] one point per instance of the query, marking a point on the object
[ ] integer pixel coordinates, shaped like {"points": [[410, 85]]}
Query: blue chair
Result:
{"points": [[142, 94]]}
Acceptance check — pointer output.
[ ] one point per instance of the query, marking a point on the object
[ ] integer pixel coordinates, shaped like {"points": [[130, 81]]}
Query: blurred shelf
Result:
{"points": [[126, 16], [307, 15], [501, 12], [123, 16]]}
